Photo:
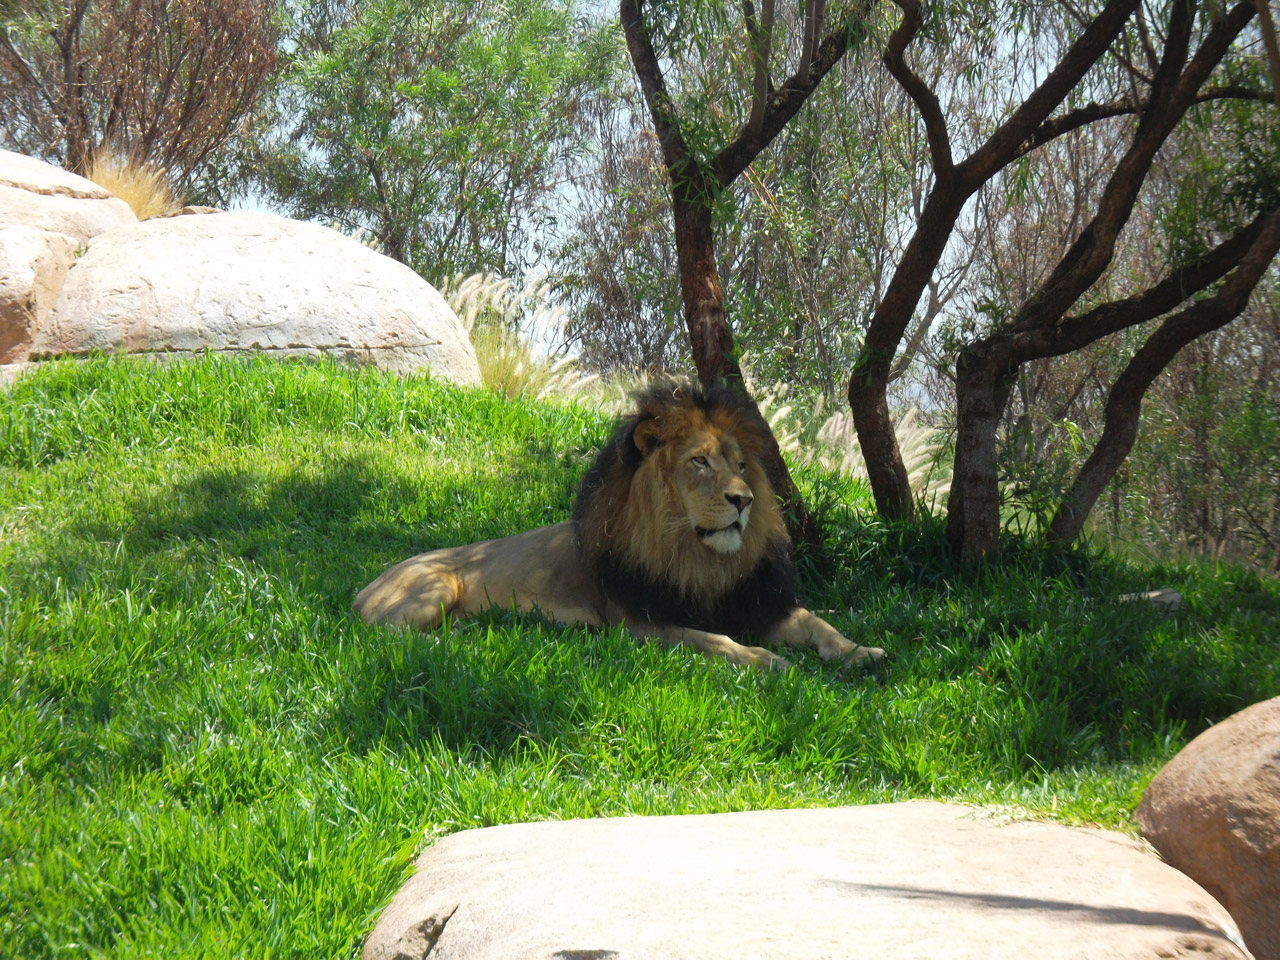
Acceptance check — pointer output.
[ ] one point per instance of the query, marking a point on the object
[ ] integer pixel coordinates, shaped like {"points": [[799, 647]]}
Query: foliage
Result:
{"points": [[438, 127], [161, 82], [1202, 479], [616, 268], [204, 754]]}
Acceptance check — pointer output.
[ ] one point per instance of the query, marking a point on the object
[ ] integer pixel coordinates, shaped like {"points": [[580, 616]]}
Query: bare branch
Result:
{"points": [[926, 101], [1093, 112], [813, 13]]}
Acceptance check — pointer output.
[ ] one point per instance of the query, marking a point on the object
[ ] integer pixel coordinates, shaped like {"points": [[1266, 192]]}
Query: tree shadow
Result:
{"points": [[327, 530], [1183, 923]]}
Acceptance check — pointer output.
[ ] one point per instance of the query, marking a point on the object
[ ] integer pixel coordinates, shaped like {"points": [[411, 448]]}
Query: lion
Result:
{"points": [[676, 534]]}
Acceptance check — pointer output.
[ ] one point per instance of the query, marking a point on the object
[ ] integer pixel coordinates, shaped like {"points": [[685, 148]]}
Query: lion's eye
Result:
{"points": [[742, 466], [701, 461]]}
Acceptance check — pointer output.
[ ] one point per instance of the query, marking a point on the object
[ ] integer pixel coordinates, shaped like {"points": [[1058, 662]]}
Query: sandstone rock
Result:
{"points": [[918, 880], [9, 373], [1214, 813], [253, 282], [44, 197], [33, 264]]}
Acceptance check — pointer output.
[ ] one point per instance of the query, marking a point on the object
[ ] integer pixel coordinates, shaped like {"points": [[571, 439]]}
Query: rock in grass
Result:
{"points": [[1214, 813], [918, 880], [252, 282], [40, 196], [1166, 599]]}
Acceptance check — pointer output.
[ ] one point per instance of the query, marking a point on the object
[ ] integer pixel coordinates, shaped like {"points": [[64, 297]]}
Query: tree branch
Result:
{"points": [[1091, 113], [926, 101], [813, 12], [1273, 49], [675, 151], [1171, 94], [1002, 146], [760, 51], [1125, 399], [785, 101], [1073, 333]]}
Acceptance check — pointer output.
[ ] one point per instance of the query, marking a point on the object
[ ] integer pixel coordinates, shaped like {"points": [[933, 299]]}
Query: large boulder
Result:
{"points": [[39, 196], [236, 282], [33, 264], [1214, 813], [917, 880]]}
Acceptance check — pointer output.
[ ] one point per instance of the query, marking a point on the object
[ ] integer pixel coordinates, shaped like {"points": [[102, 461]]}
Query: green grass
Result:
{"points": [[203, 755]]}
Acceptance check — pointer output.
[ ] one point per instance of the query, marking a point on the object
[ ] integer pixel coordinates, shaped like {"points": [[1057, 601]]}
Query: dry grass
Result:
{"points": [[517, 334], [834, 445], [143, 187]]}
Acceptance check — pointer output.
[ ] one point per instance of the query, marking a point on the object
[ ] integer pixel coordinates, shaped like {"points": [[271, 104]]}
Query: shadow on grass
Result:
{"points": [[485, 684], [326, 530]]}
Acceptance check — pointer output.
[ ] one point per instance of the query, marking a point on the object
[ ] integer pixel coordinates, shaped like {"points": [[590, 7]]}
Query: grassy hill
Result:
{"points": [[203, 754]]}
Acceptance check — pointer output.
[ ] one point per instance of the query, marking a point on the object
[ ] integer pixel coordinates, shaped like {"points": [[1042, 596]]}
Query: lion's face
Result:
{"points": [[680, 494], [709, 476]]}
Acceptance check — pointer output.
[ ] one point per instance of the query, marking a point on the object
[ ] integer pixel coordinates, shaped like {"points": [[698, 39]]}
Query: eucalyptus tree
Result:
{"points": [[1149, 70], [711, 127]]}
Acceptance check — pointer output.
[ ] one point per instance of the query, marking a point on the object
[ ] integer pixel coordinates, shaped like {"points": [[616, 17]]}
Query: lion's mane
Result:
{"points": [[646, 558]]}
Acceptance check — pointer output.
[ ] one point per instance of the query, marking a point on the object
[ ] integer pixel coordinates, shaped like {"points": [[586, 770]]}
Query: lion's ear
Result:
{"points": [[646, 436]]}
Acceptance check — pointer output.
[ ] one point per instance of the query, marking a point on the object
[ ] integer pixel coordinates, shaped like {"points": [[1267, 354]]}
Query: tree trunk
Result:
{"points": [[954, 184], [984, 377], [890, 485], [709, 337], [695, 184], [712, 342]]}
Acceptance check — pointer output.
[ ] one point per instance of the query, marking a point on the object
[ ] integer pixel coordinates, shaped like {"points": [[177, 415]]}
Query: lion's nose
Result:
{"points": [[741, 501]]}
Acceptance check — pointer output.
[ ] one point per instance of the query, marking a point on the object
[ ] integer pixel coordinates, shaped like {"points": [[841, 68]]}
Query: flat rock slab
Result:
{"points": [[908, 880]]}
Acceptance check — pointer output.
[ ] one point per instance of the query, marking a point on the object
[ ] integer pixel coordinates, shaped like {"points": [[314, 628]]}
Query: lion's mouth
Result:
{"points": [[724, 540], [705, 532]]}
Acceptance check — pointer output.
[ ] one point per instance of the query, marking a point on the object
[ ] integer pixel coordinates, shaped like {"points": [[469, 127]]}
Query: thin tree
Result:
{"points": [[160, 81], [699, 176]]}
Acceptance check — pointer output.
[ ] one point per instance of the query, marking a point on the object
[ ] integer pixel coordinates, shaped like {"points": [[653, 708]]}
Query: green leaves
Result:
{"points": [[438, 128]]}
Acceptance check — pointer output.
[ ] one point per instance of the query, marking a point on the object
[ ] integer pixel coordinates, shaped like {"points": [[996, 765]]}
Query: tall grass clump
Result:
{"points": [[517, 334], [141, 185], [203, 753], [809, 436]]}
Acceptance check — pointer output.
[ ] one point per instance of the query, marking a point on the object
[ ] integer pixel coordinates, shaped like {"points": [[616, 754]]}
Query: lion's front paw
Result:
{"points": [[763, 659], [864, 655]]}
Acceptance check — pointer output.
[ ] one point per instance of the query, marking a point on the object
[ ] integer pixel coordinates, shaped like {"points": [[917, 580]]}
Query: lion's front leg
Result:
{"points": [[710, 645], [803, 628], [417, 593]]}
